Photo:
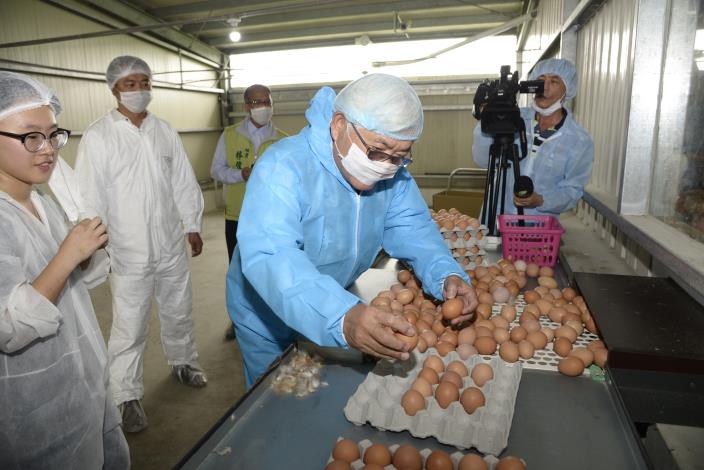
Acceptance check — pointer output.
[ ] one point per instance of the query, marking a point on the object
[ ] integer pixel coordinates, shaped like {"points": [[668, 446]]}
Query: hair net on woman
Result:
{"points": [[125, 65], [563, 68], [384, 104], [19, 93]]}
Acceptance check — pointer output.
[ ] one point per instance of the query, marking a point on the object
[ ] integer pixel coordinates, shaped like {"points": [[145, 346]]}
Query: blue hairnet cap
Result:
{"points": [[563, 68], [384, 104], [125, 65]]}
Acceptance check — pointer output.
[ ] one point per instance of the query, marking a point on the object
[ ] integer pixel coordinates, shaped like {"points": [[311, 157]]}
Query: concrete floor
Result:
{"points": [[179, 415]]}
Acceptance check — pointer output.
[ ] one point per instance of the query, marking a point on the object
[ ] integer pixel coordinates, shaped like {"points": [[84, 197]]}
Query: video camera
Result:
{"points": [[496, 106]]}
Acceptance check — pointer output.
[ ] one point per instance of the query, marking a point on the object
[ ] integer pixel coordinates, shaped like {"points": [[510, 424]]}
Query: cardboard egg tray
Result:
{"points": [[462, 243], [469, 254], [378, 401], [447, 233], [544, 359], [358, 464]]}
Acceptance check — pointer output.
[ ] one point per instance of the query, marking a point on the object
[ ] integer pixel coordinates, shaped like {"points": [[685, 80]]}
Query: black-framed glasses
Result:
{"points": [[266, 102], [35, 141], [377, 155]]}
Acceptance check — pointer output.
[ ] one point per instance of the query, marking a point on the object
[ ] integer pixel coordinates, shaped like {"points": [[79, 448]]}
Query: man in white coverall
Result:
{"points": [[134, 173]]}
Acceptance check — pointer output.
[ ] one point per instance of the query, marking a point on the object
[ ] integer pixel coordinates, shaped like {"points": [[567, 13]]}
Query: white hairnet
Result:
{"points": [[19, 93], [384, 104], [563, 68], [125, 65]]}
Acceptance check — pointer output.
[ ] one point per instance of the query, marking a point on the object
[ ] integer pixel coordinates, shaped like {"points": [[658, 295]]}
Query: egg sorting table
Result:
{"points": [[559, 422]]}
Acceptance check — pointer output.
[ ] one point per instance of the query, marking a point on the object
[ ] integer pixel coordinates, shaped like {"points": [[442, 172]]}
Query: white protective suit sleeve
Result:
{"points": [[25, 314], [91, 172], [410, 234], [186, 191], [219, 169], [280, 271]]}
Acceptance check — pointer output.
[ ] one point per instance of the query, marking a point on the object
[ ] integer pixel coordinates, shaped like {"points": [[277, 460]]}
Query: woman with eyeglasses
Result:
{"points": [[319, 207], [55, 410]]}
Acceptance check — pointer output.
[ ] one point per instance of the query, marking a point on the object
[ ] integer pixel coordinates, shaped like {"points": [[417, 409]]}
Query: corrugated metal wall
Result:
{"points": [[541, 32], [86, 100], [604, 65]]}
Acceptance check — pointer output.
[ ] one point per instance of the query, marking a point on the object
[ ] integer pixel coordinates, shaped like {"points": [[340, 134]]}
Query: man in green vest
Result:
{"points": [[238, 148]]}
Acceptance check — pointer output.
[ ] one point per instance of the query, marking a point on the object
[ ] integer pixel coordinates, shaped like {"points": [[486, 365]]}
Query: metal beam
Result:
{"points": [[219, 7]]}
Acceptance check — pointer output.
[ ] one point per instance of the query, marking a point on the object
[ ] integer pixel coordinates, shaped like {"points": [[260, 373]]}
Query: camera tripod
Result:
{"points": [[503, 154]]}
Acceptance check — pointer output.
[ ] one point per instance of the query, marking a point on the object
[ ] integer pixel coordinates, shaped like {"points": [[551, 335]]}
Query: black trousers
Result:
{"points": [[230, 236]]}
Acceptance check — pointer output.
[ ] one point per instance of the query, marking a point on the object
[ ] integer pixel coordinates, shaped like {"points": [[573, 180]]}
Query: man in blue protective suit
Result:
{"points": [[319, 206], [561, 152]]}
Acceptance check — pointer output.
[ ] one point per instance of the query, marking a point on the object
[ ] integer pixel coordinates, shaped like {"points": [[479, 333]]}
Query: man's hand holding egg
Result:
{"points": [[456, 288], [371, 330]]}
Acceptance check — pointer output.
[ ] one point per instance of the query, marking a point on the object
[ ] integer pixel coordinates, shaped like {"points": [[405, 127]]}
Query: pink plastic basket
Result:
{"points": [[538, 241]]}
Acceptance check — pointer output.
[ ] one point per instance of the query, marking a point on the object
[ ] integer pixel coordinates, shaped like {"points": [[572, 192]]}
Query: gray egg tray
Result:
{"points": [[363, 445], [378, 401], [462, 243], [544, 359]]}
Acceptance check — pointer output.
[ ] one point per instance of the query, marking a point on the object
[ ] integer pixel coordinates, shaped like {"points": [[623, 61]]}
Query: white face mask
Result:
{"points": [[366, 171], [136, 101], [550, 109], [262, 115]]}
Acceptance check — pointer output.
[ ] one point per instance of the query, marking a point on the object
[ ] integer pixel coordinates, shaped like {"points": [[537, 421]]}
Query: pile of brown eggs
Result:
{"points": [[449, 383], [407, 457], [452, 219]]}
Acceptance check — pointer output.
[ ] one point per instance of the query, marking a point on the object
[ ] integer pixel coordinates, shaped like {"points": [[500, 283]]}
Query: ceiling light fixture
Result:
{"points": [[235, 35]]}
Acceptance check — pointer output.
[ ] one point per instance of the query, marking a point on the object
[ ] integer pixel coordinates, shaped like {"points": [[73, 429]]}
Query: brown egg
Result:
{"points": [[532, 270], [568, 293], [411, 341], [526, 349], [435, 363], [559, 302], [542, 290], [570, 365], [548, 282], [544, 306], [531, 309], [482, 373], [569, 316], [452, 377], [412, 402], [531, 326], [449, 336], [572, 308], [485, 298], [562, 346], [346, 450], [509, 351], [471, 399], [410, 316], [596, 344], [538, 339], [422, 386], [566, 332], [549, 333], [422, 346], [338, 465], [444, 348], [482, 331], [430, 338], [472, 462], [458, 367], [483, 310], [437, 327], [510, 463], [556, 293], [531, 297], [585, 355], [501, 335], [452, 308], [430, 375], [405, 296], [407, 457], [526, 316], [556, 313], [381, 302], [466, 336], [446, 393], [600, 357], [388, 294], [488, 324], [404, 276], [466, 351], [518, 334], [508, 312], [439, 460], [501, 295], [545, 271], [575, 325], [378, 454], [500, 322], [485, 345]]}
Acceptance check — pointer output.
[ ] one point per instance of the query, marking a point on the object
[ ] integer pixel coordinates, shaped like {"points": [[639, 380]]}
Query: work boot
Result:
{"points": [[134, 419], [189, 375], [230, 332]]}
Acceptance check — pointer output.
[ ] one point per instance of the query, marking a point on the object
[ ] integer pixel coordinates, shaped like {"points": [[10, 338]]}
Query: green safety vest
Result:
{"points": [[240, 154]]}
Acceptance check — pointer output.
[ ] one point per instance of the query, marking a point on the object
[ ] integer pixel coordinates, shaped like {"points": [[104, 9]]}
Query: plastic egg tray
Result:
{"points": [[358, 464], [544, 359], [378, 401]]}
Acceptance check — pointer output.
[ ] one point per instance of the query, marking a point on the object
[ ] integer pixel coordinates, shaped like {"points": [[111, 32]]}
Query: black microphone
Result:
{"points": [[523, 187]]}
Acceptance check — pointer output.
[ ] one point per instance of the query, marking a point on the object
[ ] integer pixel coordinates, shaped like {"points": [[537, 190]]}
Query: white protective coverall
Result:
{"points": [[55, 411], [140, 182]]}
